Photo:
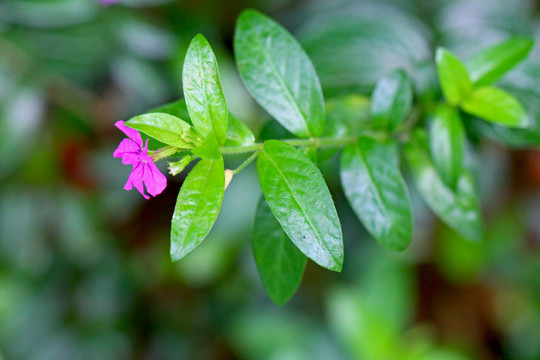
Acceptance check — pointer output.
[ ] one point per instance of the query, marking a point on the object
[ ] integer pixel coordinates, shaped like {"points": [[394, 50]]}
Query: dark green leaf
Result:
{"points": [[345, 116], [202, 89], [391, 101], [459, 209], [496, 105], [453, 77], [489, 65], [197, 207], [355, 43], [281, 265], [447, 143], [278, 73], [299, 198], [377, 192], [166, 128], [238, 133]]}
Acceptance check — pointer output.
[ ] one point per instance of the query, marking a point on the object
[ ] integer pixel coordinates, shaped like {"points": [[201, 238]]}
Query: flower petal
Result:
{"points": [[136, 179], [154, 180], [131, 133], [129, 151]]}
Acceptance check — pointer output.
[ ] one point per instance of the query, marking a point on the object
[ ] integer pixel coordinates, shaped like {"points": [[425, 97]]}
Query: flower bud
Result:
{"points": [[228, 177], [176, 167]]}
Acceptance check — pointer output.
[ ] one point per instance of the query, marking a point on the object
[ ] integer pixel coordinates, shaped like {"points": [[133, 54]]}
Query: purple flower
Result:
{"points": [[132, 152]]}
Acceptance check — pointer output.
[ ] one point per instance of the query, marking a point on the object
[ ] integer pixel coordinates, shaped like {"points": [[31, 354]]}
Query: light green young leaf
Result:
{"points": [[453, 77], [279, 74], [391, 101], [202, 89], [166, 128], [280, 263], [459, 208], [377, 192], [489, 65], [197, 207], [496, 105], [300, 200], [238, 133], [447, 144]]}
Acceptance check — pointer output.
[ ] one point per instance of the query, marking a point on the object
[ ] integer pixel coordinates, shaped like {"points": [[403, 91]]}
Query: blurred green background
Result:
{"points": [[84, 265]]}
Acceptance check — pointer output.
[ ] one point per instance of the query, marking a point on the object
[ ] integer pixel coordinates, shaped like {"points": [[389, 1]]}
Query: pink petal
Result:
{"points": [[136, 179], [154, 180], [131, 133], [129, 151]]}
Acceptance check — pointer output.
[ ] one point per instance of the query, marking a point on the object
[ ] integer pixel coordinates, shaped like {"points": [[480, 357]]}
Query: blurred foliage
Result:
{"points": [[84, 266]]}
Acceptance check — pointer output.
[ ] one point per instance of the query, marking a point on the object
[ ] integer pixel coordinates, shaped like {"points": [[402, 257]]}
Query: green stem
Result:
{"points": [[247, 162], [311, 142]]}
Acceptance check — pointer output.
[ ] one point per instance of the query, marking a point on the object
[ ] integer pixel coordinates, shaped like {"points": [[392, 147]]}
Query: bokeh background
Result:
{"points": [[84, 265]]}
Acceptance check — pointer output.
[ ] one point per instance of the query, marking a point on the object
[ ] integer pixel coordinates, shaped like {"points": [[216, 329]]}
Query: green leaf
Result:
{"points": [[202, 89], [209, 149], [489, 65], [279, 74], [447, 143], [345, 116], [299, 199], [458, 208], [281, 265], [377, 192], [391, 101], [238, 133], [453, 77], [197, 207], [496, 105], [166, 128]]}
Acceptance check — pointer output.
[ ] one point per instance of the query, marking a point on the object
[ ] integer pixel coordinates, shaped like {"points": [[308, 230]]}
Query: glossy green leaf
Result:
{"points": [[209, 149], [197, 207], [300, 200], [447, 143], [391, 101], [496, 105], [453, 77], [238, 133], [166, 128], [377, 192], [280, 263], [279, 74], [489, 65], [458, 208], [202, 89]]}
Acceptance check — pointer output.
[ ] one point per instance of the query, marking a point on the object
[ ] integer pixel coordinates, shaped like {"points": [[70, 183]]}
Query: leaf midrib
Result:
{"points": [[371, 180], [288, 91], [198, 201], [301, 208]]}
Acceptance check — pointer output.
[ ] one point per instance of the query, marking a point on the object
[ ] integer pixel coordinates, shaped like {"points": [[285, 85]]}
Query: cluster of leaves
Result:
{"points": [[297, 218]]}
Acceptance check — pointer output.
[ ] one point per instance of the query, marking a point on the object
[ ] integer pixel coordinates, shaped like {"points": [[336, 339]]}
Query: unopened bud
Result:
{"points": [[176, 167], [228, 177]]}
